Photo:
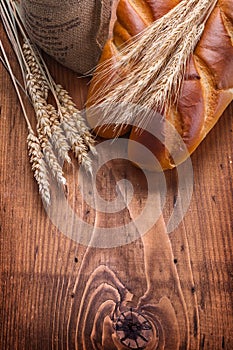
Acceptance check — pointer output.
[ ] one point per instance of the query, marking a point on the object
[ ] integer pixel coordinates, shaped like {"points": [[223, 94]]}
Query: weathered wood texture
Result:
{"points": [[58, 294]]}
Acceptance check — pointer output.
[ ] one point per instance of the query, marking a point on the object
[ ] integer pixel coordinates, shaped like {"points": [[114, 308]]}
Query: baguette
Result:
{"points": [[207, 88]]}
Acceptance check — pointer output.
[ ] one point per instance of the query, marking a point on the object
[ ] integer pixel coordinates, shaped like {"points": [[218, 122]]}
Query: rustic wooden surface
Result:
{"points": [[58, 294]]}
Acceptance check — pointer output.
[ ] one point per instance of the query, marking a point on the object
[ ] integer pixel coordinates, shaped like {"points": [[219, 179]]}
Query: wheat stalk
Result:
{"points": [[75, 128], [66, 101], [35, 154], [75, 140], [151, 68]]}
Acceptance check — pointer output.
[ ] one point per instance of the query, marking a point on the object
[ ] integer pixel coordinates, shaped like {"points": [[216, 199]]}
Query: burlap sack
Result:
{"points": [[72, 31]]}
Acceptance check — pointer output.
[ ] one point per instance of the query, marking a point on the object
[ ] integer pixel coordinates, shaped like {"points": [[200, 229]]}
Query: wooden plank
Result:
{"points": [[59, 294]]}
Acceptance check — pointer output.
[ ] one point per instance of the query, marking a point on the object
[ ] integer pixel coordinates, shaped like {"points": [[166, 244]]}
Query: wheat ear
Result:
{"points": [[58, 138], [38, 166]]}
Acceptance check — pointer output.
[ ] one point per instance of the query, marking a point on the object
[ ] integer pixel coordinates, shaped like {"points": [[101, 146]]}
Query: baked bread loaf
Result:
{"points": [[208, 84]]}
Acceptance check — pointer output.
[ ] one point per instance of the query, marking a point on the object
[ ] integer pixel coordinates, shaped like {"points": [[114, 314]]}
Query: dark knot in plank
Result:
{"points": [[134, 330]]}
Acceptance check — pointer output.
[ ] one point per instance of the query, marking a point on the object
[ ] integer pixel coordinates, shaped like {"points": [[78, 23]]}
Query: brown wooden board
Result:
{"points": [[167, 291]]}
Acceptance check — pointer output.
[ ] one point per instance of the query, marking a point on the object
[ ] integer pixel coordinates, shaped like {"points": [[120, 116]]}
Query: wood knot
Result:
{"points": [[134, 330]]}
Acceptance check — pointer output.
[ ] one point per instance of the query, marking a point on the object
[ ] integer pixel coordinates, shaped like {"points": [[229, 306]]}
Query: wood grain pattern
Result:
{"points": [[58, 294]]}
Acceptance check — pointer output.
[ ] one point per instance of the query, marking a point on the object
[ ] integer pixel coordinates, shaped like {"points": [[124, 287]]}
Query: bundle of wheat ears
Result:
{"points": [[59, 128], [151, 67]]}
